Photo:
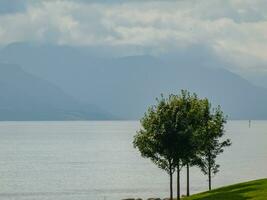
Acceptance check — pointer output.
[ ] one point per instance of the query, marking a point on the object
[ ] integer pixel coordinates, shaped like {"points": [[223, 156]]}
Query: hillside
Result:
{"points": [[253, 190], [26, 97]]}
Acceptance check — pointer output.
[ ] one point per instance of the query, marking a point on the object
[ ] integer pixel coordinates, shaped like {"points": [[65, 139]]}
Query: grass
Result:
{"points": [[253, 190]]}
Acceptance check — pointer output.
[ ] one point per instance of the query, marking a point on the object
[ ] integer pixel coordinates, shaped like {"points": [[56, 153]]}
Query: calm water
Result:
{"points": [[96, 161]]}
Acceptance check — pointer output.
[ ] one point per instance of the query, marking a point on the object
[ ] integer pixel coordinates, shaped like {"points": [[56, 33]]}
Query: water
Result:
{"points": [[96, 161]]}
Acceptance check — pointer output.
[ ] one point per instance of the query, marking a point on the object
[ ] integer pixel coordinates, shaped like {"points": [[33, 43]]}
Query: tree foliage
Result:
{"points": [[156, 140], [182, 130], [212, 143]]}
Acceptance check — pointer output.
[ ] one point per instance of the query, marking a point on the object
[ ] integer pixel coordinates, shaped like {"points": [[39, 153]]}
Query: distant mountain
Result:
{"points": [[25, 97], [126, 86]]}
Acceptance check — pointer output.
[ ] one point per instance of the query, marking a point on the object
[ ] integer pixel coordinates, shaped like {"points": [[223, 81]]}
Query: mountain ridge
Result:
{"points": [[27, 97], [126, 86]]}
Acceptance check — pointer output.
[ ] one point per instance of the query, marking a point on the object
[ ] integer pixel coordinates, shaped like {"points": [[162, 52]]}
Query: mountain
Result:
{"points": [[126, 86], [25, 97]]}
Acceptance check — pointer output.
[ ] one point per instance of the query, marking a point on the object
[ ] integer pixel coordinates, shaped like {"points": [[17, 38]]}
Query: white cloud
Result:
{"points": [[235, 29]]}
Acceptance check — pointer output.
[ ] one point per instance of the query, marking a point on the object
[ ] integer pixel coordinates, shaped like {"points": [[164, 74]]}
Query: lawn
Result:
{"points": [[253, 190]]}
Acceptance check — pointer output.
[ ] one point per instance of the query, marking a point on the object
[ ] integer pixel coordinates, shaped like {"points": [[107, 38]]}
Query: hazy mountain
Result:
{"points": [[126, 86], [26, 97]]}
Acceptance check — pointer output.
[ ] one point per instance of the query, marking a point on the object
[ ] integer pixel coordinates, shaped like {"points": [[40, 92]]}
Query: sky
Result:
{"points": [[233, 30]]}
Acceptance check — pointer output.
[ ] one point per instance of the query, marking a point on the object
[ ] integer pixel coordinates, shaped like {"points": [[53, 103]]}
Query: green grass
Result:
{"points": [[253, 190]]}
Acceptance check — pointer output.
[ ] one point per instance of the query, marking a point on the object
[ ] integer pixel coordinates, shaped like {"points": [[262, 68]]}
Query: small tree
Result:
{"points": [[189, 120], [156, 139], [211, 144], [165, 136]]}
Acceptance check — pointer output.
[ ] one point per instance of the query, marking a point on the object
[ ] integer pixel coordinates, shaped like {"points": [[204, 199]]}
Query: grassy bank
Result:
{"points": [[253, 190]]}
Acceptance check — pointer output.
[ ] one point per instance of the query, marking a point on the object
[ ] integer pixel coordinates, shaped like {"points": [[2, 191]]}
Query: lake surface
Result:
{"points": [[96, 161]]}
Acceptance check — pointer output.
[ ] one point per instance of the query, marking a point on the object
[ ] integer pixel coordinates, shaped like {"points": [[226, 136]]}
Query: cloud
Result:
{"points": [[236, 30]]}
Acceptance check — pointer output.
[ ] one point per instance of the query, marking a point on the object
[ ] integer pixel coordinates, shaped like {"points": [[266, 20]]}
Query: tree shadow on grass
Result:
{"points": [[235, 192]]}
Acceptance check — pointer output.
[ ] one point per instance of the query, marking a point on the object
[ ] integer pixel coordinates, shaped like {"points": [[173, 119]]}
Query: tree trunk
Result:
{"points": [[178, 182], [171, 192], [187, 180], [209, 172], [209, 180], [171, 181]]}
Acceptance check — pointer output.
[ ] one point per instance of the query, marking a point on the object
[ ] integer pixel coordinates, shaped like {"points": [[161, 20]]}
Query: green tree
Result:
{"points": [[156, 139], [165, 136], [189, 119], [211, 142]]}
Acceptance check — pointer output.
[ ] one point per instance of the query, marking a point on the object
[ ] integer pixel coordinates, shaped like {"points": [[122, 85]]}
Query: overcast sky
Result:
{"points": [[235, 30]]}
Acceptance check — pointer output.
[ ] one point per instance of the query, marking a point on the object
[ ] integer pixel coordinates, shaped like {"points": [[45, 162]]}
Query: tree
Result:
{"points": [[156, 139], [210, 144], [190, 122], [165, 134]]}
